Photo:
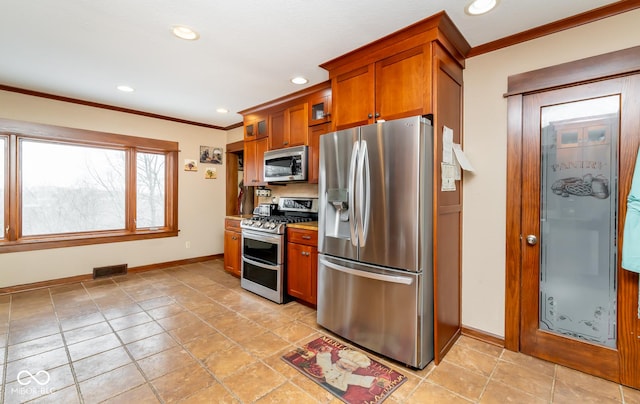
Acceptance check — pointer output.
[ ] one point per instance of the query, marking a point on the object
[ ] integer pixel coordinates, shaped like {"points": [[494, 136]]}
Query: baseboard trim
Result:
{"points": [[483, 336], [82, 278]]}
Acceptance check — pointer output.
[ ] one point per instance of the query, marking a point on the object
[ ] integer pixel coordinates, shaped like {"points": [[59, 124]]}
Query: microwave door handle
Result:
{"points": [[351, 194]]}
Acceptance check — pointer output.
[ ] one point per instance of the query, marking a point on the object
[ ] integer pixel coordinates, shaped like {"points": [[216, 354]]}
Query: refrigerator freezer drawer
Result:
{"points": [[379, 309]]}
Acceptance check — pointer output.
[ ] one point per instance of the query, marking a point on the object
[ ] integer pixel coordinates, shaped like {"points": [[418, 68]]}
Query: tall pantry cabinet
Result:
{"points": [[415, 71]]}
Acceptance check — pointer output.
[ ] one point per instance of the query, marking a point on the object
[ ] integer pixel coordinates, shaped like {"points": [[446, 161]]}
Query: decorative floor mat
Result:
{"points": [[348, 374]]}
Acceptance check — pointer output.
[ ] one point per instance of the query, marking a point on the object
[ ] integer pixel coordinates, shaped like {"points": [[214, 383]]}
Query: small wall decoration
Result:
{"points": [[211, 155], [210, 174], [190, 165]]}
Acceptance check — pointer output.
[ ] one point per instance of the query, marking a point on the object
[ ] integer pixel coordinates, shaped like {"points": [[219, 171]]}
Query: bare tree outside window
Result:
{"points": [[150, 186], [71, 188]]}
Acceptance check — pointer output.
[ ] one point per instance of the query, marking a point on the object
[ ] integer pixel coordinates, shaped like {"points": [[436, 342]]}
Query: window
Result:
{"points": [[3, 152], [63, 187], [150, 190], [70, 189]]}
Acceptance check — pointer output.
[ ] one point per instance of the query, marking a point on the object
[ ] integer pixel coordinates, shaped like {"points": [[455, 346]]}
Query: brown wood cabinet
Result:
{"points": [[302, 264], [391, 88], [320, 107], [254, 162], [314, 150], [288, 127], [232, 246], [256, 126], [288, 120], [415, 71]]}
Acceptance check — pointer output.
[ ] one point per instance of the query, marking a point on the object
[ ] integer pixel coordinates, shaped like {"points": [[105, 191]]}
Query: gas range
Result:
{"points": [[273, 219]]}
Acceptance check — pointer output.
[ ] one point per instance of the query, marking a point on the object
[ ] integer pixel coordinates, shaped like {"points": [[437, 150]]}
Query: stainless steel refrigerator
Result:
{"points": [[375, 238]]}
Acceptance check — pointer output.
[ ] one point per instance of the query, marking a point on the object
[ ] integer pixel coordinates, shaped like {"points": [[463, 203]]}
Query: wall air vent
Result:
{"points": [[104, 272]]}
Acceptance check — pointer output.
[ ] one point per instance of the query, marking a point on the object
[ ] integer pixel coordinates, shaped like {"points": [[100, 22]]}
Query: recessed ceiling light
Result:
{"points": [[222, 110], [125, 89], [299, 80], [478, 7], [184, 32]]}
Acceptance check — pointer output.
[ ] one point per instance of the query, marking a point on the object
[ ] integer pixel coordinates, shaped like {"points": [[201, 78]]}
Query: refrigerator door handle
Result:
{"points": [[351, 196], [364, 274], [366, 197], [360, 193]]}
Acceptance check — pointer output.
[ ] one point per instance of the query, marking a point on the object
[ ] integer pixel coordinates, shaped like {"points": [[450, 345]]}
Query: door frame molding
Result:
{"points": [[603, 67]]}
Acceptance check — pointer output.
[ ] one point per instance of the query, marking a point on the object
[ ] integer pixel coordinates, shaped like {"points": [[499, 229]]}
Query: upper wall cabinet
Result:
{"points": [[288, 127], [394, 76], [255, 126], [320, 107], [392, 88]]}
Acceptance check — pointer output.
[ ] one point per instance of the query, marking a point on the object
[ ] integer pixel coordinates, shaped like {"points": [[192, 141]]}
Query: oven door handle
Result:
{"points": [[261, 236], [261, 264]]}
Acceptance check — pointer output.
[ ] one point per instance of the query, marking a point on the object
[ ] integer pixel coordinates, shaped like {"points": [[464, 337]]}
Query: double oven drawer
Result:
{"points": [[264, 248], [263, 264]]}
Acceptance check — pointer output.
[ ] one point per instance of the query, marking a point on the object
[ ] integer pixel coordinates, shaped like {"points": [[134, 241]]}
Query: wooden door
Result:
{"points": [[254, 161], [232, 252], [579, 307], [314, 150], [297, 125], [400, 85], [300, 264], [353, 98], [277, 130], [320, 107]]}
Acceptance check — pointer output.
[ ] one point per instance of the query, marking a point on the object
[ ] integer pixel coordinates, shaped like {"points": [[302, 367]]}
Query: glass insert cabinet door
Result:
{"points": [[578, 219]]}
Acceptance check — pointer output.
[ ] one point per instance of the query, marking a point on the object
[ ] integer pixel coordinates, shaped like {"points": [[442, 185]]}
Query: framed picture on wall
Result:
{"points": [[211, 155]]}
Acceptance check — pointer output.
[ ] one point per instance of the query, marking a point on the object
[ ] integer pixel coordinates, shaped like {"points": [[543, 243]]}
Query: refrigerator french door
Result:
{"points": [[375, 238]]}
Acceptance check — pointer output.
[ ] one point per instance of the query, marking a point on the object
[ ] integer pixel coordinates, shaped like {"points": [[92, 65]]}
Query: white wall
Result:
{"points": [[485, 140], [235, 135], [201, 202]]}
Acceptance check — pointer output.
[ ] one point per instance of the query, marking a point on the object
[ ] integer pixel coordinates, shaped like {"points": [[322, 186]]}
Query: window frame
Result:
{"points": [[14, 131]]}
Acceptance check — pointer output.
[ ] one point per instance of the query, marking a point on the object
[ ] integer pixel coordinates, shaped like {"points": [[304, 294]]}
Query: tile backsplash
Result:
{"points": [[291, 189]]}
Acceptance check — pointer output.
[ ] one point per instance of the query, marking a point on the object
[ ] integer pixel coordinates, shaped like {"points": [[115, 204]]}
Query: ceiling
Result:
{"points": [[247, 51]]}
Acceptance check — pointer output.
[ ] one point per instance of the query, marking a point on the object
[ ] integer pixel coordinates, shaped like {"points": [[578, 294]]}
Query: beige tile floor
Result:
{"points": [[191, 334]]}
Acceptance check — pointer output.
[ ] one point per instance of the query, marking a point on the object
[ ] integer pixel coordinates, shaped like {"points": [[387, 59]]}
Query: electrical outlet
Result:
{"points": [[187, 244]]}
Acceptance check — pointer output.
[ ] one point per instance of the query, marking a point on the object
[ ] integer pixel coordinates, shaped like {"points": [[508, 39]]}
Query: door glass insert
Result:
{"points": [[578, 219]]}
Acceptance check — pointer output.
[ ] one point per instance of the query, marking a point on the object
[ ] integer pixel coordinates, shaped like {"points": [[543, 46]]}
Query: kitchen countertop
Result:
{"points": [[238, 217], [304, 225]]}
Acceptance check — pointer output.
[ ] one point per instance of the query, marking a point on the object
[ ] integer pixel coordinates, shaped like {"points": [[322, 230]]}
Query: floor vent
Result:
{"points": [[111, 270]]}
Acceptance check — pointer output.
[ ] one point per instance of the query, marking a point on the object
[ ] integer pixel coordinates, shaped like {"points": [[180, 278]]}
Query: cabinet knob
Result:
{"points": [[306, 237], [305, 253], [377, 114], [370, 116], [285, 143]]}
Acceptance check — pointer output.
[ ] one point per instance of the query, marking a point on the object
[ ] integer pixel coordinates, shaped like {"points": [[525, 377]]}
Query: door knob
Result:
{"points": [[532, 240]]}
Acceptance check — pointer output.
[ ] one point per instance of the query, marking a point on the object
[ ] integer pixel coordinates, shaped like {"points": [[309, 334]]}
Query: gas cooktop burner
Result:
{"points": [[304, 210], [272, 224]]}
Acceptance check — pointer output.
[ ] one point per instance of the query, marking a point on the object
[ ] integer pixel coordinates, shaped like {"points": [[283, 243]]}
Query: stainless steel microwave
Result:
{"points": [[284, 165]]}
